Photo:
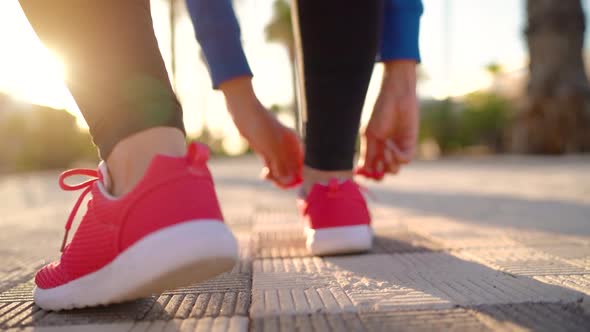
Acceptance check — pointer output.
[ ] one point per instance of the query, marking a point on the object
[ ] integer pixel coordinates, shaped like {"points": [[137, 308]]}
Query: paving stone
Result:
{"points": [[20, 314], [525, 261], [535, 316], [291, 243], [97, 315], [398, 240], [226, 295], [208, 324], [456, 319], [284, 286], [116, 327], [573, 253], [544, 239], [276, 216], [577, 282], [19, 293], [309, 322], [434, 280], [280, 243], [17, 267], [453, 235]]}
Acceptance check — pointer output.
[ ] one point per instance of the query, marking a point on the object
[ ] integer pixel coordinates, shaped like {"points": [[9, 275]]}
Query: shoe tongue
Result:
{"points": [[103, 175]]}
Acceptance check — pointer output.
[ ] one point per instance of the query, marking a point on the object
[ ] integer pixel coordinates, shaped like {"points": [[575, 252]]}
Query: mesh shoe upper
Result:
{"points": [[173, 190], [334, 205]]}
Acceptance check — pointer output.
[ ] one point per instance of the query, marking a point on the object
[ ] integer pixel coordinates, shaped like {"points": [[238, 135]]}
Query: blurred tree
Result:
{"points": [[280, 30], [556, 118], [494, 68], [35, 137], [479, 119], [484, 120]]}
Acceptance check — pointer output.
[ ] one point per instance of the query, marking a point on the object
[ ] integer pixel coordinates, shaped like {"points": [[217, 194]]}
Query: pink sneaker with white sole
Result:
{"points": [[167, 232], [337, 219]]}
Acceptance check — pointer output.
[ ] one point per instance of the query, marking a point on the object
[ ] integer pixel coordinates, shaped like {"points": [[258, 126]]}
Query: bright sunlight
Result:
{"points": [[28, 71]]}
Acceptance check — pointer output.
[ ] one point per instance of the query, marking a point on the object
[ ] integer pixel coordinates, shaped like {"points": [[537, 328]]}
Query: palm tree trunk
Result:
{"points": [[556, 115]]}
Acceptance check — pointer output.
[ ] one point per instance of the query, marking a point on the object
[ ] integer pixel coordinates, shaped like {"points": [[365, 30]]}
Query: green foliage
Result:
{"points": [[485, 119], [37, 138], [214, 143], [481, 119], [279, 29]]}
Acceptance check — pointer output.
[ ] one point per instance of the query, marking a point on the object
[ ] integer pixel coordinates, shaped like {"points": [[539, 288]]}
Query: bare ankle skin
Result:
{"points": [[312, 176], [131, 157]]}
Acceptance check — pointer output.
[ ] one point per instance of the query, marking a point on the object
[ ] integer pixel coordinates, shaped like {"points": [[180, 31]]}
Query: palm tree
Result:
{"points": [[556, 117], [280, 30]]}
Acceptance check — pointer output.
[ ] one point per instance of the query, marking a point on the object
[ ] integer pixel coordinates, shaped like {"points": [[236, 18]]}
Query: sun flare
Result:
{"points": [[28, 70]]}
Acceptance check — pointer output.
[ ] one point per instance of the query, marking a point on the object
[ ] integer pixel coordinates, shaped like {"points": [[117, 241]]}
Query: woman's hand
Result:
{"points": [[278, 146], [389, 140]]}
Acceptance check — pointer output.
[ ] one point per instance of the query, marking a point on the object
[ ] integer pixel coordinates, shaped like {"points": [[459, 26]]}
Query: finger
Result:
{"points": [[265, 173], [392, 165], [370, 156], [402, 156], [379, 170], [293, 157]]}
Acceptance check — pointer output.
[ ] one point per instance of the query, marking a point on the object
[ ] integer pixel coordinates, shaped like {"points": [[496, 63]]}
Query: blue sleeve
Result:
{"points": [[401, 27], [218, 33]]}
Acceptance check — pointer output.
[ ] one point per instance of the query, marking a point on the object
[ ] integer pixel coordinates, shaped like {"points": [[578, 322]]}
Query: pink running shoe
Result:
{"points": [[337, 220], [166, 233]]}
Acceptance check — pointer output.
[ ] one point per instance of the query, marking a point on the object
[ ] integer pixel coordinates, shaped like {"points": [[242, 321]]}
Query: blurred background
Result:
{"points": [[497, 76]]}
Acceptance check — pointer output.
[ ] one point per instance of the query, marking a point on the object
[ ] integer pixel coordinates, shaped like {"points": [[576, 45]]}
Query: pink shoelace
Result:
{"points": [[95, 176]]}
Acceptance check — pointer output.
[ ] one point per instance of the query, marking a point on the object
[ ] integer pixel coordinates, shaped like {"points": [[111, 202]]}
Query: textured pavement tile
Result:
{"points": [[20, 292], [399, 240], [21, 314], [285, 286], [274, 216], [291, 242], [117, 327], [17, 268], [225, 295], [98, 315], [423, 320], [574, 253], [434, 280], [535, 316], [280, 243], [453, 235], [525, 261], [207, 324], [308, 322], [538, 238], [577, 282]]}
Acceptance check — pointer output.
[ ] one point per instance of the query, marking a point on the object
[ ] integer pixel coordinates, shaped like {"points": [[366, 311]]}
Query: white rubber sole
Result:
{"points": [[339, 240], [173, 257]]}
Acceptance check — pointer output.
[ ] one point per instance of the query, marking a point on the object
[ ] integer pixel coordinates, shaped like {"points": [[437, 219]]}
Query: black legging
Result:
{"points": [[338, 42], [115, 71]]}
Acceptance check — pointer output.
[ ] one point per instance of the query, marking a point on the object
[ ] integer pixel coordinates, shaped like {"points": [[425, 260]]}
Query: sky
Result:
{"points": [[458, 39]]}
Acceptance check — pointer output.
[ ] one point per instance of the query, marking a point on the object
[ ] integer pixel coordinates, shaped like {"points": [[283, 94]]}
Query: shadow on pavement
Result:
{"points": [[414, 288], [559, 217]]}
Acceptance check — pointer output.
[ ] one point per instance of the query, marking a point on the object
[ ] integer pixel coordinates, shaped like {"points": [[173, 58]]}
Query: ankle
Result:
{"points": [[312, 176], [131, 157]]}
